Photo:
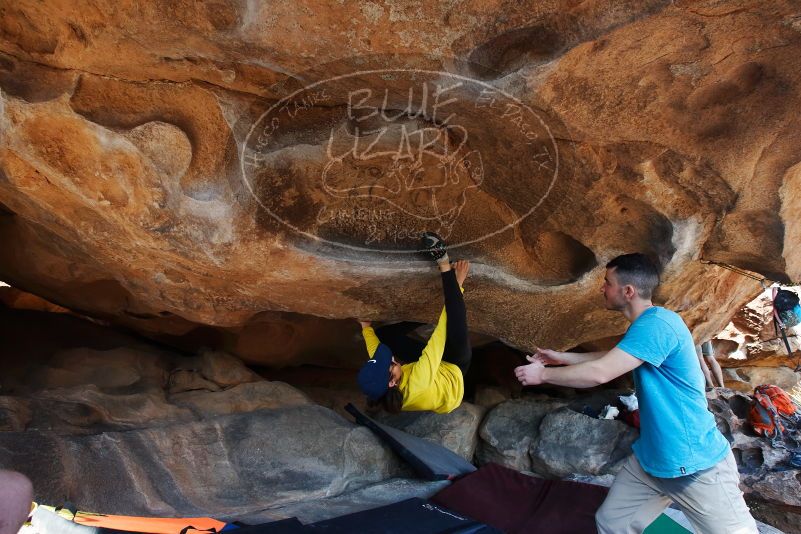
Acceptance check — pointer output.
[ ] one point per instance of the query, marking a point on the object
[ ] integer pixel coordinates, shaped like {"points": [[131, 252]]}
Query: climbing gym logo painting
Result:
{"points": [[369, 159], [411, 160]]}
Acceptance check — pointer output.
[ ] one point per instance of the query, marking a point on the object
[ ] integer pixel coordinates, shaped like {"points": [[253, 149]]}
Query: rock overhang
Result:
{"points": [[127, 196]]}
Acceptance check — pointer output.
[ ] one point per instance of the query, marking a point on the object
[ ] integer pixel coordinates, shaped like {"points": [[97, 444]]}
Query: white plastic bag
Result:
{"points": [[630, 402], [609, 412]]}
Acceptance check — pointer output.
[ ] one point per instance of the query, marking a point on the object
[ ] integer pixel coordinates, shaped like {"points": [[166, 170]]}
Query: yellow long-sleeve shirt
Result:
{"points": [[429, 383]]}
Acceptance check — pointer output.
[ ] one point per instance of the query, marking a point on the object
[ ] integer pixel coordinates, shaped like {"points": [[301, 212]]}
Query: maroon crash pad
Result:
{"points": [[518, 503]]}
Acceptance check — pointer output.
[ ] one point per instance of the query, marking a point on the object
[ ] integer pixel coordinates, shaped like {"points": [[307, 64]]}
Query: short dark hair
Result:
{"points": [[637, 270]]}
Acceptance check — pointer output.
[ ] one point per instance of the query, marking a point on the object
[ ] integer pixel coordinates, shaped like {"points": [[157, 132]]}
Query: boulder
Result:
{"points": [[457, 430], [509, 429], [136, 429], [229, 465], [81, 390], [570, 442], [224, 370], [183, 380]]}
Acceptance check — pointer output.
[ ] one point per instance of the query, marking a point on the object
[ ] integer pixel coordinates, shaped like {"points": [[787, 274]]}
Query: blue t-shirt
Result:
{"points": [[678, 434]]}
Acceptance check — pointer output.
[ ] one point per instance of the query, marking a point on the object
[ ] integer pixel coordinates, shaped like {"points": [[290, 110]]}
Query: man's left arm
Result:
{"points": [[616, 362]]}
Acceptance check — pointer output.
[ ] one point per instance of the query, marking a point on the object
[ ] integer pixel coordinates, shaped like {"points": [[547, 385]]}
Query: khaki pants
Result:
{"points": [[711, 499]]}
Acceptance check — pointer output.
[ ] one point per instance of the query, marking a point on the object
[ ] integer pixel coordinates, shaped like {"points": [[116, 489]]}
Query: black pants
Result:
{"points": [[457, 341]]}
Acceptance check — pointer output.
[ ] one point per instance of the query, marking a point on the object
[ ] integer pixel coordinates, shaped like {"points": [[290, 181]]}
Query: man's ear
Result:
{"points": [[630, 291]]}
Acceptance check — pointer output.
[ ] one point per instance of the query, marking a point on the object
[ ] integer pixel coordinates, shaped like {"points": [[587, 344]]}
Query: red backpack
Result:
{"points": [[773, 409]]}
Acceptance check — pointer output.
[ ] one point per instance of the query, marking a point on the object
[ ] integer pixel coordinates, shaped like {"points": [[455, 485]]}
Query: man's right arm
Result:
{"points": [[552, 357]]}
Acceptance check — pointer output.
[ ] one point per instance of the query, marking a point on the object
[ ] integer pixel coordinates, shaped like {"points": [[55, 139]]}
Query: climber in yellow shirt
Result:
{"points": [[435, 381]]}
